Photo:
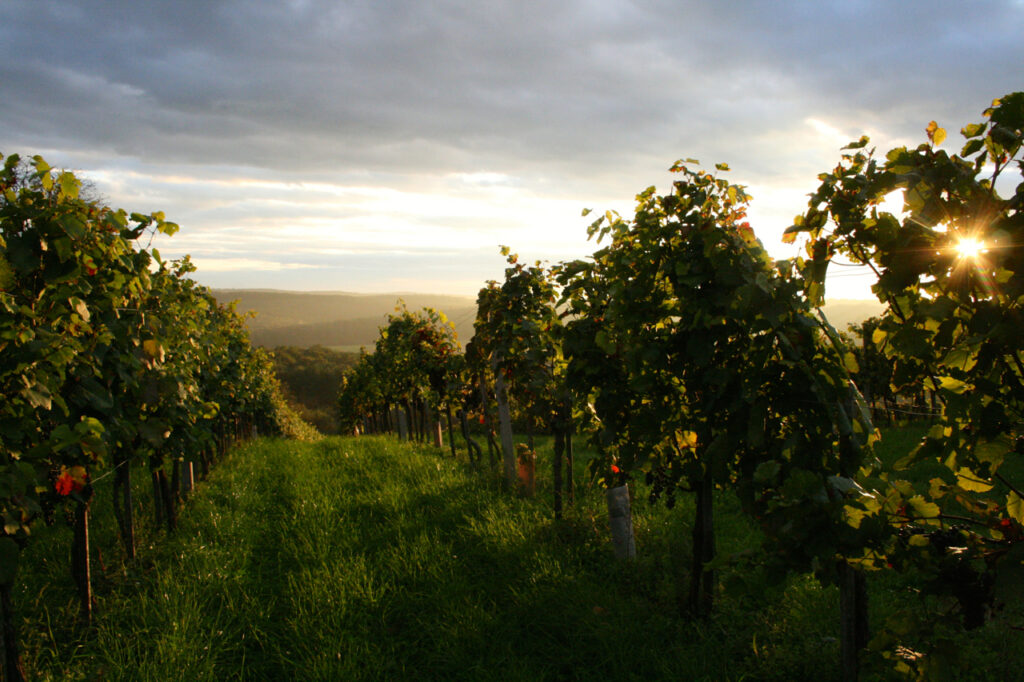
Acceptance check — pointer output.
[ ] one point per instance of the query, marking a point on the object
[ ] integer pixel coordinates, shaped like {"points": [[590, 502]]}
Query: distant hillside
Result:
{"points": [[842, 312], [309, 318]]}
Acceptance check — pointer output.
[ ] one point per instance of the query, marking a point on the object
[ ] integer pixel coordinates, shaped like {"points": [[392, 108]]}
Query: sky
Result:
{"points": [[393, 145]]}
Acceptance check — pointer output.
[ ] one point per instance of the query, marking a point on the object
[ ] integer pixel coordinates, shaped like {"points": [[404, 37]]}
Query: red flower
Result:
{"points": [[616, 470]]}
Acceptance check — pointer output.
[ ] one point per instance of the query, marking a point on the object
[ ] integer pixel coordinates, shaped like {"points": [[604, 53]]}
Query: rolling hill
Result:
{"points": [[347, 321], [335, 319], [842, 312]]}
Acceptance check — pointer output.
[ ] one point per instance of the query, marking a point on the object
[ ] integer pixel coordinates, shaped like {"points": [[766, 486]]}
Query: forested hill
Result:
{"points": [[307, 318], [348, 321]]}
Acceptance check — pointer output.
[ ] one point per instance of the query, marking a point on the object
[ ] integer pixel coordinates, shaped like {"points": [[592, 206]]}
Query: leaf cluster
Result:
{"points": [[698, 357], [107, 353], [952, 325]]}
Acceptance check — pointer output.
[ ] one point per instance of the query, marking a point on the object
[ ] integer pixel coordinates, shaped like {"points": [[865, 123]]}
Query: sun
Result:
{"points": [[969, 248]]}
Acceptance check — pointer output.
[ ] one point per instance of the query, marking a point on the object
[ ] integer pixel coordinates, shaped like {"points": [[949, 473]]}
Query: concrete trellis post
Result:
{"points": [[620, 518]]}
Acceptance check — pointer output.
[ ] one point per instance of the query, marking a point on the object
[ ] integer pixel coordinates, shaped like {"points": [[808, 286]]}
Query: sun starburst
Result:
{"points": [[969, 248]]}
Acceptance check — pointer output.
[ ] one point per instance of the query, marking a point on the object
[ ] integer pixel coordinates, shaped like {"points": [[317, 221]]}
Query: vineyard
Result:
{"points": [[692, 369], [111, 358]]}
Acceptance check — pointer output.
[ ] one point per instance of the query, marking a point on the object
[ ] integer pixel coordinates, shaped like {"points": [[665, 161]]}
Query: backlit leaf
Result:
{"points": [[1015, 507], [853, 515], [968, 480], [937, 488], [69, 185], [992, 452], [922, 508], [38, 395], [961, 358], [954, 385], [935, 133], [153, 349], [973, 129], [850, 362], [79, 307]]}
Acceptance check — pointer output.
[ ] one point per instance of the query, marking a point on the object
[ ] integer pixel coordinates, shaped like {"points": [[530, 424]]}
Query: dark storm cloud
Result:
{"points": [[523, 86]]}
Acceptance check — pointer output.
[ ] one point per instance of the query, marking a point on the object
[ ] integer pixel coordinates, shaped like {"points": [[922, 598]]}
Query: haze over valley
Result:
{"points": [[347, 321]]}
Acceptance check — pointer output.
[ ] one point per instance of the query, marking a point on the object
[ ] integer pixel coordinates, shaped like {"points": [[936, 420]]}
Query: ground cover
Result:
{"points": [[366, 558]]}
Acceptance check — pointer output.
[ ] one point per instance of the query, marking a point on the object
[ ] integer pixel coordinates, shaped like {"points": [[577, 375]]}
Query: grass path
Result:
{"points": [[370, 559], [364, 558]]}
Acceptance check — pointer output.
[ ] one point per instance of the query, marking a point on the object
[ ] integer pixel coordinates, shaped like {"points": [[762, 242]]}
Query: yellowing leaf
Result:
{"points": [[1015, 507], [688, 439], [935, 133], [69, 185], [850, 361], [968, 480], [853, 515], [953, 385], [79, 307], [993, 451], [919, 541], [922, 508], [153, 349], [962, 358], [79, 474], [937, 488]]}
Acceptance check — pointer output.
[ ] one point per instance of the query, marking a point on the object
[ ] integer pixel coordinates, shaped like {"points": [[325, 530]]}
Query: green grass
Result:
{"points": [[368, 559]]}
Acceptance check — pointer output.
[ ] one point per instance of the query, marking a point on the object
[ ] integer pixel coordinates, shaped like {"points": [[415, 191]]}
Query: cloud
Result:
{"points": [[476, 86], [218, 265], [474, 123]]}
